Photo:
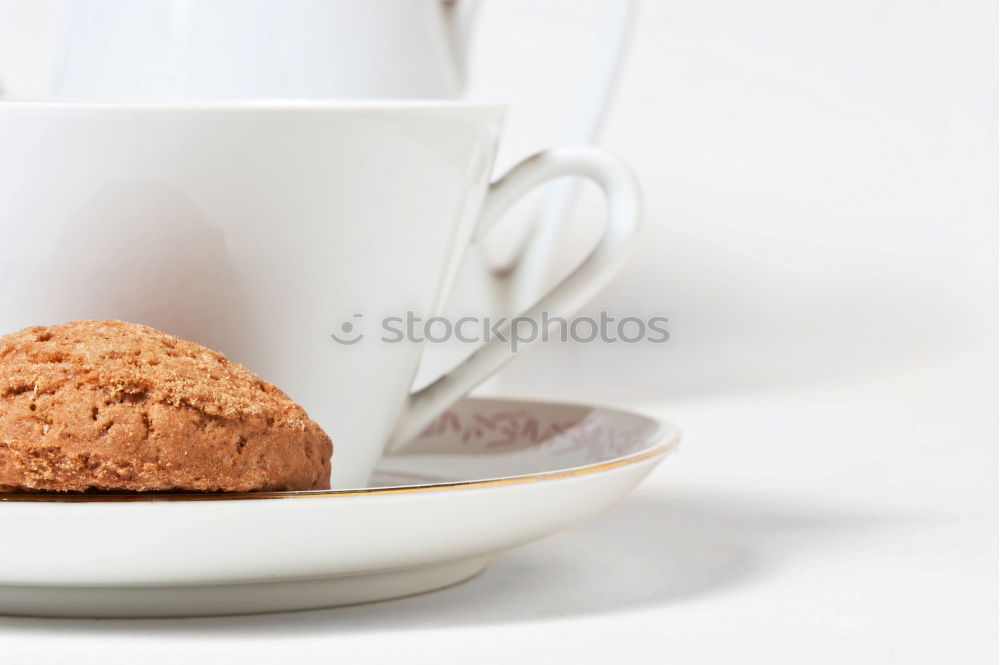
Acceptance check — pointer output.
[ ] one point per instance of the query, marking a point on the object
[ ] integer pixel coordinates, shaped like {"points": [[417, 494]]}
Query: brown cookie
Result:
{"points": [[106, 405]]}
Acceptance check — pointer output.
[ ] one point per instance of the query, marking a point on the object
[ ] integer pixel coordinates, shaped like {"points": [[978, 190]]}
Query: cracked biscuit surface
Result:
{"points": [[107, 405]]}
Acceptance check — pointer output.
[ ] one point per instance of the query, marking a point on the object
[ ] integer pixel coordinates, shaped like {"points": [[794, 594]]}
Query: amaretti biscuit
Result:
{"points": [[107, 405]]}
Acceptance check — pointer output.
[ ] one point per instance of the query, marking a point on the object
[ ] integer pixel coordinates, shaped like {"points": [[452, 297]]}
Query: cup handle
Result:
{"points": [[540, 242], [596, 269]]}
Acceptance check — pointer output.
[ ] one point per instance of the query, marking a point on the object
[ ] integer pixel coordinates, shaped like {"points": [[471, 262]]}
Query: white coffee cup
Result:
{"points": [[260, 229]]}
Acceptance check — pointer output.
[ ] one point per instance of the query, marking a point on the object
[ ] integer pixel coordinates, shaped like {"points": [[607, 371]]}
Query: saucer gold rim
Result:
{"points": [[656, 451]]}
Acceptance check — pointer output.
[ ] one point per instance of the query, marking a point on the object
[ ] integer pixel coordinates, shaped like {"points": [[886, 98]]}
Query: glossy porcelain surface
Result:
{"points": [[218, 49]]}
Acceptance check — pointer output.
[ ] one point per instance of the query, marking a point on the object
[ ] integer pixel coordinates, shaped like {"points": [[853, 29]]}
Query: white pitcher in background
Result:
{"points": [[251, 49], [146, 50]]}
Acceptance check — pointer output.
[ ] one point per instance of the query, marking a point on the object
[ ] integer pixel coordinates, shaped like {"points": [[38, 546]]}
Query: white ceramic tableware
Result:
{"points": [[263, 230], [210, 50], [489, 475], [252, 49], [289, 49]]}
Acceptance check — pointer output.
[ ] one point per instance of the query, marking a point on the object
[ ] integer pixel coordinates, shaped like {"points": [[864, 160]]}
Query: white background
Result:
{"points": [[821, 183]]}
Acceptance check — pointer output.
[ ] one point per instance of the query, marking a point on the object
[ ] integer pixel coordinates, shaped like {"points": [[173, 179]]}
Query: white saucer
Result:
{"points": [[487, 476]]}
